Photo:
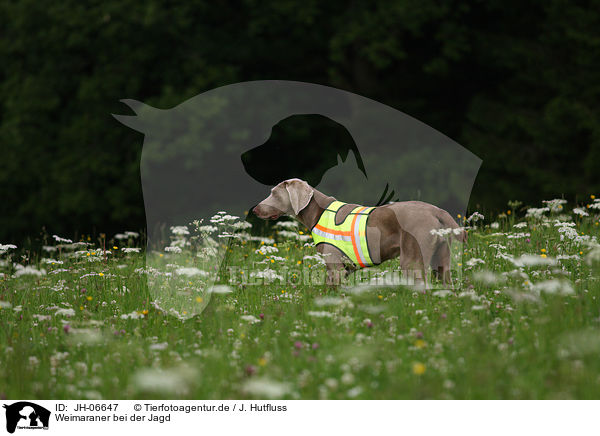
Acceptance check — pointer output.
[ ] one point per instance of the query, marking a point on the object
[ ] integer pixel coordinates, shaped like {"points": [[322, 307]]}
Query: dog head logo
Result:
{"points": [[26, 415], [214, 156]]}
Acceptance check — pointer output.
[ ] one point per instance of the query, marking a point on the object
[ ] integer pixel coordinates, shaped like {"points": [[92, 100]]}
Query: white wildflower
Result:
{"points": [[172, 249], [567, 230], [329, 301], [315, 259], [534, 260], [440, 232], [293, 235], [180, 230], [175, 381], [131, 250], [594, 254], [470, 294], [59, 239], [265, 249], [555, 205], [68, 312], [52, 261], [267, 274], [476, 216], [361, 289], [347, 378], [220, 289], [558, 223], [475, 261], [190, 272], [241, 225], [286, 225], [536, 212], [561, 287], [250, 318], [354, 392], [5, 247], [262, 239], [567, 257], [29, 270], [266, 388], [132, 315], [228, 235], [518, 235], [159, 346]]}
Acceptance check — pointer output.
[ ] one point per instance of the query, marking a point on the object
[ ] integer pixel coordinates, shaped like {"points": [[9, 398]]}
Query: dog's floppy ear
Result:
{"points": [[300, 194]]}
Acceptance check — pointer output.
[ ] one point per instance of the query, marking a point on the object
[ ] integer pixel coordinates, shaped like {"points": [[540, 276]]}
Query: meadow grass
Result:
{"points": [[520, 323]]}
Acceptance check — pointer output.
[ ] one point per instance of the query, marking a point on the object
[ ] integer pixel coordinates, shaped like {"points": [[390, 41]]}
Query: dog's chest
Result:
{"points": [[344, 227]]}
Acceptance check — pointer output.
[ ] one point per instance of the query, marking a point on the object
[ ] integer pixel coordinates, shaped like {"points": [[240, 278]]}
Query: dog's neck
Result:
{"points": [[309, 216]]}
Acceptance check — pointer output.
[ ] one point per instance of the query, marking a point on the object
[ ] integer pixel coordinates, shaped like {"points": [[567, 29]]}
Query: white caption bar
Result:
{"points": [[75, 417]]}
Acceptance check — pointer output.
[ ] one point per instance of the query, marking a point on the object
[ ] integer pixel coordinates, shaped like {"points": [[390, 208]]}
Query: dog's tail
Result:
{"points": [[448, 222]]}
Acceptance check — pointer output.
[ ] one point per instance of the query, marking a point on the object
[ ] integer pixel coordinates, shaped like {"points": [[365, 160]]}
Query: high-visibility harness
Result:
{"points": [[350, 236]]}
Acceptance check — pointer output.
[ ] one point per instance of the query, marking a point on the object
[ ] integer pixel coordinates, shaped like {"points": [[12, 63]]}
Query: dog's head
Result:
{"points": [[287, 198]]}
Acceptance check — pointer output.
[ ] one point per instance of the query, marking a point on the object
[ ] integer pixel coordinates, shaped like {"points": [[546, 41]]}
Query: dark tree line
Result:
{"points": [[515, 82]]}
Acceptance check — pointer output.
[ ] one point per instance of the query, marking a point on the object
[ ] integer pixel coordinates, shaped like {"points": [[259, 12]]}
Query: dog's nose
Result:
{"points": [[255, 210]]}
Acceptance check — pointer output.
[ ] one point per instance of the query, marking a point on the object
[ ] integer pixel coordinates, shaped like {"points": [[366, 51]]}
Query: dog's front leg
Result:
{"points": [[421, 281], [336, 264], [336, 273]]}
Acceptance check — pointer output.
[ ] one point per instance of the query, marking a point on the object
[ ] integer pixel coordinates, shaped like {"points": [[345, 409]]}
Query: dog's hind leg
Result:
{"points": [[440, 263]]}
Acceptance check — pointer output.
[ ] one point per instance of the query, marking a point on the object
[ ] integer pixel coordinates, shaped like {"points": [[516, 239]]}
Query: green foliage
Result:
{"points": [[520, 323], [515, 82]]}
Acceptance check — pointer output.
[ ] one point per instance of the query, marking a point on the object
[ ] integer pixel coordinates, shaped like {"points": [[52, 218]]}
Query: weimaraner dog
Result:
{"points": [[400, 229]]}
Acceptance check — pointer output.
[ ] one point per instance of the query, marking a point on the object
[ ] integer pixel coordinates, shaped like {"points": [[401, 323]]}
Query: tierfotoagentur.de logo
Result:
{"points": [[24, 415]]}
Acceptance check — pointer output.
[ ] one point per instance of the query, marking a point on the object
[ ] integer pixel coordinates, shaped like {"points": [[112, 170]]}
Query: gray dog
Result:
{"points": [[351, 236]]}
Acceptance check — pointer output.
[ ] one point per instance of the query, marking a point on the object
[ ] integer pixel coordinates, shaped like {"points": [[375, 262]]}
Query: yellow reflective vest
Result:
{"points": [[350, 236]]}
